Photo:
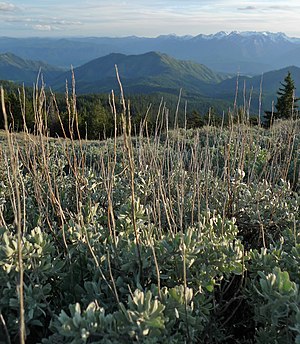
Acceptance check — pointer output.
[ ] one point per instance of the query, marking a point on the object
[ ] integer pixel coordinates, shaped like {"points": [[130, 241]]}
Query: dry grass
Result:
{"points": [[178, 175]]}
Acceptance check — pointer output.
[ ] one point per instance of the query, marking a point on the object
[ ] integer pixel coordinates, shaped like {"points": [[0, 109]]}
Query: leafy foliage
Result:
{"points": [[185, 236]]}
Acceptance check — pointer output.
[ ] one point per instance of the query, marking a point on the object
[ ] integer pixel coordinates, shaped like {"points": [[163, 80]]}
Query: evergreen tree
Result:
{"points": [[286, 101], [286, 106], [195, 120]]}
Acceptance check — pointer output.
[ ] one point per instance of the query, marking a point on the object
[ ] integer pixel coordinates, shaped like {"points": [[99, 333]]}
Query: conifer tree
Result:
{"points": [[286, 106]]}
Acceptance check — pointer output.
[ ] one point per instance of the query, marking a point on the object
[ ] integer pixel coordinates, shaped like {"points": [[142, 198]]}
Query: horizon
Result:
{"points": [[227, 33], [92, 18]]}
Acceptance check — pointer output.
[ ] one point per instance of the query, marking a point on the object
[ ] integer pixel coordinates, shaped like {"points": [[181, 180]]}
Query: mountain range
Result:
{"points": [[152, 73], [248, 53]]}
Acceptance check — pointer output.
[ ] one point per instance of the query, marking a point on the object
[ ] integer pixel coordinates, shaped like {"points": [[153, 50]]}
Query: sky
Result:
{"points": [[150, 18]]}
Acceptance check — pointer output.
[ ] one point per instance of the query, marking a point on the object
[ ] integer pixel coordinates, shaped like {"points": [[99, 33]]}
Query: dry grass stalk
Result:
{"points": [[17, 189]]}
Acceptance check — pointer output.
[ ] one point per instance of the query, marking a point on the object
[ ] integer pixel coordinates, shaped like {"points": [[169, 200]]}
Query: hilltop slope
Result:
{"points": [[19, 70], [146, 73]]}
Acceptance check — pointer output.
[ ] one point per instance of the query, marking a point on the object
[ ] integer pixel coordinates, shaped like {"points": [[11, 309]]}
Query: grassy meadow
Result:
{"points": [[178, 236]]}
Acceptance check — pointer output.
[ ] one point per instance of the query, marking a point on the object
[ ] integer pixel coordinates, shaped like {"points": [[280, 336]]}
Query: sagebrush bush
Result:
{"points": [[187, 236]]}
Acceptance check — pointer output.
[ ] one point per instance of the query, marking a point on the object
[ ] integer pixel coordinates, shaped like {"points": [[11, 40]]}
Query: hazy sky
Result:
{"points": [[146, 17]]}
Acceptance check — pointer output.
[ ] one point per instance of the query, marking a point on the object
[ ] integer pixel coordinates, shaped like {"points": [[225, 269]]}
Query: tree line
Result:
{"points": [[94, 112], [95, 118]]}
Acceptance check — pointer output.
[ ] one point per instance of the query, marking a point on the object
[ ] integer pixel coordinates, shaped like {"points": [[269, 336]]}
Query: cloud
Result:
{"points": [[7, 7], [247, 8], [42, 27], [45, 23], [146, 18], [63, 22], [282, 8], [277, 7], [50, 24]]}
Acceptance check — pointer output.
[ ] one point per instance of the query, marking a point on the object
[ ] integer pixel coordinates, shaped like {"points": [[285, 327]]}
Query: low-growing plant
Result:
{"points": [[185, 236]]}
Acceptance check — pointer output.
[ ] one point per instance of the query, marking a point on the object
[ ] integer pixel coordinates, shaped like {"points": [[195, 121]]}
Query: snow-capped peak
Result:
{"points": [[174, 36], [275, 37]]}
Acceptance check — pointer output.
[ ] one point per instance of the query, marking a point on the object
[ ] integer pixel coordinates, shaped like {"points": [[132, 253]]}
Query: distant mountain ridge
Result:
{"points": [[277, 36], [19, 70], [153, 73], [145, 73], [159, 73], [248, 53]]}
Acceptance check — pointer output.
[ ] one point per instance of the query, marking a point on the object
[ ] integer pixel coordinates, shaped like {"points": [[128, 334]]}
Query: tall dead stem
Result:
{"points": [[13, 164], [129, 149]]}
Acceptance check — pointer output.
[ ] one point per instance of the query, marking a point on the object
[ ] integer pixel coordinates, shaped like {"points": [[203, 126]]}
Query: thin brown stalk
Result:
{"points": [[129, 150], [18, 218], [2, 321]]}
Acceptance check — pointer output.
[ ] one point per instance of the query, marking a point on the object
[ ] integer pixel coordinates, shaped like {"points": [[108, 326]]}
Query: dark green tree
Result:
{"points": [[195, 120], [286, 101], [286, 106]]}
